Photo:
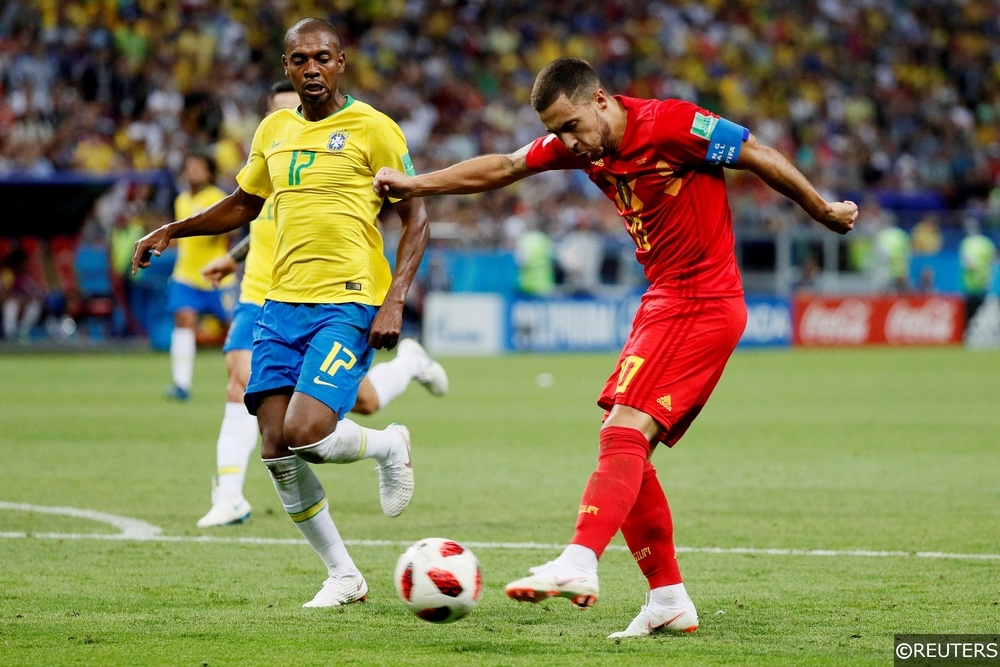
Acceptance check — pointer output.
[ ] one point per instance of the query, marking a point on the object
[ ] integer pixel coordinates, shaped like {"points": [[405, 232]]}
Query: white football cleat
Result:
{"points": [[395, 475], [430, 373], [654, 618], [225, 511], [340, 589], [551, 581]]}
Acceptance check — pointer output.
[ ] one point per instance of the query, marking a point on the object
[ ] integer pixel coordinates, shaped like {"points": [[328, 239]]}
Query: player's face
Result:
{"points": [[196, 172], [583, 128], [314, 62], [288, 100]]}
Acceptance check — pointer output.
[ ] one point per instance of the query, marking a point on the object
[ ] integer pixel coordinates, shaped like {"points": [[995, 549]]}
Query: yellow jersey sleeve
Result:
{"points": [[327, 246], [260, 259], [194, 252], [254, 177]]}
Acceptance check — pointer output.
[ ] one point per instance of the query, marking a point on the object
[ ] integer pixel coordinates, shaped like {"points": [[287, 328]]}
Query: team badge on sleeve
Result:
{"points": [[337, 142]]}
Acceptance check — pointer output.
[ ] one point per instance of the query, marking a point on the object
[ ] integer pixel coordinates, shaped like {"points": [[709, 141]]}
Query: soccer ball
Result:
{"points": [[439, 580]]}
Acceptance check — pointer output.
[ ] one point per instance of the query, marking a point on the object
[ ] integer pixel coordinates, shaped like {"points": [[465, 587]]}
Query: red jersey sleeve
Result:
{"points": [[548, 153], [695, 136]]}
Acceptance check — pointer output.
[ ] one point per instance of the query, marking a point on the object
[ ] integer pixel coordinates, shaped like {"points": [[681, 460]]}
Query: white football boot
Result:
{"points": [[551, 580], [395, 475], [225, 511], [654, 618], [340, 589], [430, 373]]}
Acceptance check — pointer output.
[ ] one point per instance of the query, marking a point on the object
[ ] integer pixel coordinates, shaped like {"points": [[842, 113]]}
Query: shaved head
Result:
{"points": [[309, 26]]}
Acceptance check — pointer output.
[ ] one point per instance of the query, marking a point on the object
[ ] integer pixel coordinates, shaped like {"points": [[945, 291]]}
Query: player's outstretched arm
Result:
{"points": [[229, 213], [478, 174], [416, 232], [782, 176]]}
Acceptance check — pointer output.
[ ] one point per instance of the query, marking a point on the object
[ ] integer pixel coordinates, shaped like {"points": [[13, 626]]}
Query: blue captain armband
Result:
{"points": [[725, 143]]}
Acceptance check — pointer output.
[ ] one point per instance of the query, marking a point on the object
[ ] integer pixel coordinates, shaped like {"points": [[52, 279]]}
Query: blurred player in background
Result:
{"points": [[661, 162], [238, 435], [190, 294], [333, 299]]}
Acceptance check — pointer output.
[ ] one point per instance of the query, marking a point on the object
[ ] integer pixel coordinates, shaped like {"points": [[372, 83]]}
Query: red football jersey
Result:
{"points": [[673, 201]]}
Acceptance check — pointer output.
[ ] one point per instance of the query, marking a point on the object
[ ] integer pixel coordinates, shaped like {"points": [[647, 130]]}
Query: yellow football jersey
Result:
{"points": [[194, 252], [327, 247], [260, 258]]}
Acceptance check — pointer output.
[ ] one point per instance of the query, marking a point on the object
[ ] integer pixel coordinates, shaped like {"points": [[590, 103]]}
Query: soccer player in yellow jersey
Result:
{"points": [[238, 434], [190, 294], [332, 299]]}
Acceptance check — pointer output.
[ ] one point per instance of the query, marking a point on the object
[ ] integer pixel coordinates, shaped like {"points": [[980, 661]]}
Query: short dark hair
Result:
{"points": [[283, 86], [312, 25], [572, 77], [210, 163]]}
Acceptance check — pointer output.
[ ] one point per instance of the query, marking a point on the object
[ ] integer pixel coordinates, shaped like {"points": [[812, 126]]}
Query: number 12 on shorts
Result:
{"points": [[334, 362], [630, 366]]}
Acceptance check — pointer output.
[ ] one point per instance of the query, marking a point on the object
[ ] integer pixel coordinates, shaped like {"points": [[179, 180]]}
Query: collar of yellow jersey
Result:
{"points": [[348, 102]]}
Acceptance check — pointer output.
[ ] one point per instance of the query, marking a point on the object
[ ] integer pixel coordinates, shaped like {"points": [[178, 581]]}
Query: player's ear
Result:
{"points": [[601, 99]]}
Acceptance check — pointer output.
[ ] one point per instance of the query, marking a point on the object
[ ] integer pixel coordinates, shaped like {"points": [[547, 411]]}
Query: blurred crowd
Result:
{"points": [[867, 96]]}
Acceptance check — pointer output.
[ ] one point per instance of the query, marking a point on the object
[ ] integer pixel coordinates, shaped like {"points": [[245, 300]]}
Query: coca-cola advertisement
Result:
{"points": [[877, 320]]}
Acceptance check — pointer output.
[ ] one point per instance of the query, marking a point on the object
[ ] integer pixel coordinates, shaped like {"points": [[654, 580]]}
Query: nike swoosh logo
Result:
{"points": [[275, 144], [568, 580], [316, 380], [664, 624]]}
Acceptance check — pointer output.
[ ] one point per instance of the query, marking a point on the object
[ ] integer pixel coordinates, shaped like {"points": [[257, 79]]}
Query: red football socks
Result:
{"points": [[649, 533], [613, 487]]}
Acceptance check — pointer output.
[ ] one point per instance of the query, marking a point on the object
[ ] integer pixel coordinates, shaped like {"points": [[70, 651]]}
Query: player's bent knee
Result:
{"points": [[365, 405], [303, 434]]}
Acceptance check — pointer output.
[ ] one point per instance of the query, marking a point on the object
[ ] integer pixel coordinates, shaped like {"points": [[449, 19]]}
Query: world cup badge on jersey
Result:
{"points": [[337, 142]]}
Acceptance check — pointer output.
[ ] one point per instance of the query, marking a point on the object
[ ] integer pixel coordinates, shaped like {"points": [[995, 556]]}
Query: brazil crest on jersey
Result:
{"points": [[328, 248]]}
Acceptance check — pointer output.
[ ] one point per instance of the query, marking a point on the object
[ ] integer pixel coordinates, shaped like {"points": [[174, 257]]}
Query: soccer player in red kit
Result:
{"points": [[662, 163]]}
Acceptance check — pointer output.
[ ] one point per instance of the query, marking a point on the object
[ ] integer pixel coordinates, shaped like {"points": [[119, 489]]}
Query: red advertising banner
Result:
{"points": [[877, 320]]}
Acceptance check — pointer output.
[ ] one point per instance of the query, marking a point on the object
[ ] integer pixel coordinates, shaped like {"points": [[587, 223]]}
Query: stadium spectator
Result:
{"points": [[191, 295], [891, 258], [662, 163], [977, 255], [926, 235], [333, 299], [238, 433], [22, 298], [535, 255]]}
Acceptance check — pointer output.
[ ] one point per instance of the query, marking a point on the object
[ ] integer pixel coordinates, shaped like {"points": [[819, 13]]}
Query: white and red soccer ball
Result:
{"points": [[439, 580]]}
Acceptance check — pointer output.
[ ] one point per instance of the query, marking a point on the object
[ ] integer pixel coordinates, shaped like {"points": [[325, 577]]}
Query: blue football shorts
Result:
{"points": [[317, 349], [217, 302], [240, 336]]}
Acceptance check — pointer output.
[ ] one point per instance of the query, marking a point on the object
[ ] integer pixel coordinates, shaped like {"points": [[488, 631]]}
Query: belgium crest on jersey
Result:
{"points": [[337, 142]]}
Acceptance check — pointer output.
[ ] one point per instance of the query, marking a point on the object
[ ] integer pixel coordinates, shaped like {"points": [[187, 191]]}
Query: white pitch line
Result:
{"points": [[518, 546], [137, 530], [131, 528]]}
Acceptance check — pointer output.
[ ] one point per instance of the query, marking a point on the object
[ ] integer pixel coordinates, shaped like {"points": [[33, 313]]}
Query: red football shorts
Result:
{"points": [[673, 359]]}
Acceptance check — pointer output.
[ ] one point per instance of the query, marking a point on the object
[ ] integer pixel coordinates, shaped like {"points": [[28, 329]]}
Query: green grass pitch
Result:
{"points": [[889, 457]]}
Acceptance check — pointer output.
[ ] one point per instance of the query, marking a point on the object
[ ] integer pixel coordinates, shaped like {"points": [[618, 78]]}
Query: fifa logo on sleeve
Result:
{"points": [[588, 509]]}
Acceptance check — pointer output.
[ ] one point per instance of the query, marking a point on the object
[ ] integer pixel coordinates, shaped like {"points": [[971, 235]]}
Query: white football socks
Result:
{"points": [[182, 350], [237, 441], [304, 499], [390, 379], [579, 557], [349, 443], [669, 596]]}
